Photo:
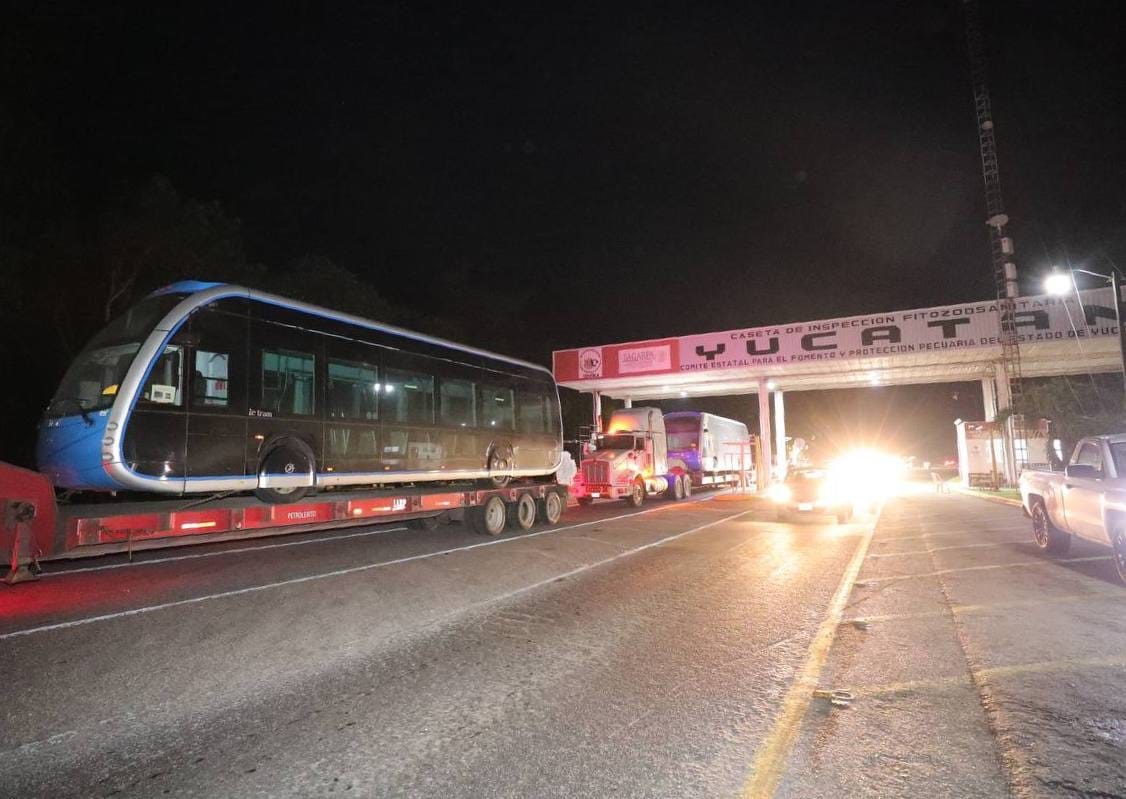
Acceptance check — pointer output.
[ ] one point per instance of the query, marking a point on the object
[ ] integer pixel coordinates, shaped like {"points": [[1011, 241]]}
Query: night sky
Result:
{"points": [[582, 175]]}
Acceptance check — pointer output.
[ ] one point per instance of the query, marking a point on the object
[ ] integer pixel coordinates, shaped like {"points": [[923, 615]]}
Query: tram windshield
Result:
{"points": [[92, 381]]}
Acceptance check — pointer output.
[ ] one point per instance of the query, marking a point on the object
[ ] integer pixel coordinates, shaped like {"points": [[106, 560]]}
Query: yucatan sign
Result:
{"points": [[854, 338]]}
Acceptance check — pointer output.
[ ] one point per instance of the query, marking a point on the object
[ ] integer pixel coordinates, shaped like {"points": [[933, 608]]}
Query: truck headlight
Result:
{"points": [[779, 492]]}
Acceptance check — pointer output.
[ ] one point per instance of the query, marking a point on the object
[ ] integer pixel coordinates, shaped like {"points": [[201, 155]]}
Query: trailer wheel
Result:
{"points": [[636, 494], [551, 507], [288, 457], [521, 514], [489, 517], [1049, 538]]}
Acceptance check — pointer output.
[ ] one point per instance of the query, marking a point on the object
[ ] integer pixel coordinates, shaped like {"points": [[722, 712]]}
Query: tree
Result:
{"points": [[1076, 406], [318, 280], [152, 237]]}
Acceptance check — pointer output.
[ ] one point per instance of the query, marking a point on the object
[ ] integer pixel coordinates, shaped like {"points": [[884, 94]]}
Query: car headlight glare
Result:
{"points": [[779, 493]]}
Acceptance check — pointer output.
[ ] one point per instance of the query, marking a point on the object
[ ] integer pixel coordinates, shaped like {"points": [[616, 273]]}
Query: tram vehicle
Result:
{"points": [[711, 449], [214, 388]]}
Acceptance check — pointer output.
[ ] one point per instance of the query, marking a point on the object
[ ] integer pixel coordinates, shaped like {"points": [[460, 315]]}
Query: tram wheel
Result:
{"points": [[290, 457], [501, 461]]}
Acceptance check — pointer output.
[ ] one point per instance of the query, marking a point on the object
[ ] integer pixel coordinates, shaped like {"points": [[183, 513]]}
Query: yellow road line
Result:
{"points": [[770, 760]]}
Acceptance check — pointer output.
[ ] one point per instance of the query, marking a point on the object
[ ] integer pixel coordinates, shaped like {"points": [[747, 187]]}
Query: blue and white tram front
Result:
{"points": [[85, 418]]}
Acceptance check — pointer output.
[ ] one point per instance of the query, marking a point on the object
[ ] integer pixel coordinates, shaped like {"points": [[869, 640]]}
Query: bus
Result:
{"points": [[217, 388]]}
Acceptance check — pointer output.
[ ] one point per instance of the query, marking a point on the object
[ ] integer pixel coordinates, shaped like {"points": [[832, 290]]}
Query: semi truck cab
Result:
{"points": [[630, 461]]}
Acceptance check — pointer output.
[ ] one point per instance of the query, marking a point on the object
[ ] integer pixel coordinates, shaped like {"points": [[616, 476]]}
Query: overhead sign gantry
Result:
{"points": [[952, 343]]}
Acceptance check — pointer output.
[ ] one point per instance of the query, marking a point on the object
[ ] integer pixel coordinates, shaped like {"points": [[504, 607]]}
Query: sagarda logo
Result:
{"points": [[645, 359], [590, 362]]}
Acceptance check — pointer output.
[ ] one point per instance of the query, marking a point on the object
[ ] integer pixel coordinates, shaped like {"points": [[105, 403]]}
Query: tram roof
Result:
{"points": [[216, 290]]}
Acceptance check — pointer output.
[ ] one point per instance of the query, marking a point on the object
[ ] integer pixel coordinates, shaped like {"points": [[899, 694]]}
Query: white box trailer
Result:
{"points": [[711, 449]]}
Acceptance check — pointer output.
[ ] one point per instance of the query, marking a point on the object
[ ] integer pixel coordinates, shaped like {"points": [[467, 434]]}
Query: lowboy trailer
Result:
{"points": [[36, 528]]}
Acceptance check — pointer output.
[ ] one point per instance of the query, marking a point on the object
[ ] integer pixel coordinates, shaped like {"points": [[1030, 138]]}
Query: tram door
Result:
{"points": [[285, 389], [215, 385], [154, 438]]}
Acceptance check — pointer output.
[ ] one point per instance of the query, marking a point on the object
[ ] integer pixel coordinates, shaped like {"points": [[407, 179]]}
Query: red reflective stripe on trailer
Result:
{"points": [[271, 515], [199, 521], [442, 501], [110, 529], [363, 508]]}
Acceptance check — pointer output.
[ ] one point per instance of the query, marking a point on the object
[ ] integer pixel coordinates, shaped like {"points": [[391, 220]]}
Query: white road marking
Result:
{"points": [[946, 549], [977, 531], [382, 564], [149, 561], [1017, 564], [316, 540]]}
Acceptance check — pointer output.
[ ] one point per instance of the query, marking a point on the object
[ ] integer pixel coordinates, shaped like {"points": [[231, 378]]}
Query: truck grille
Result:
{"points": [[596, 472]]}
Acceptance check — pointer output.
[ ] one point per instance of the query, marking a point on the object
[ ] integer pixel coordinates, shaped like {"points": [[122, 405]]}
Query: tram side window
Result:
{"points": [[353, 390], [496, 408], [457, 405], [163, 384], [408, 397], [210, 386], [288, 382], [531, 413]]}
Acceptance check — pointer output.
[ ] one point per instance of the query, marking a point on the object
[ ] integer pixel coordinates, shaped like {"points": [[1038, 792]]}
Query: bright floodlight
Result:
{"points": [[1058, 283]]}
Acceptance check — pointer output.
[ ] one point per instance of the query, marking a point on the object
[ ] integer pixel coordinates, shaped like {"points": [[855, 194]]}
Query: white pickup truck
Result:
{"points": [[1087, 499]]}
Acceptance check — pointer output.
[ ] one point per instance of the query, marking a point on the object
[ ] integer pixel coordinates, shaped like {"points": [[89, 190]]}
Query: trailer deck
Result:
{"points": [[36, 528]]}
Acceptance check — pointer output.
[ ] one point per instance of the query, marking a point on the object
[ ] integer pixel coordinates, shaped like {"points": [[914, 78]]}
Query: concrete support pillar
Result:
{"points": [[762, 470], [629, 402], [780, 433], [596, 397], [989, 398], [1004, 403]]}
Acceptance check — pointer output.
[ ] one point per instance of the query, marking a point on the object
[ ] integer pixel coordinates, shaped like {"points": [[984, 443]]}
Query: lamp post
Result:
{"points": [[1059, 283]]}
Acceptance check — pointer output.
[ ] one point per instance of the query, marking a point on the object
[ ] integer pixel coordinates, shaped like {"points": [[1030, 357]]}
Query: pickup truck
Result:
{"points": [[1087, 499]]}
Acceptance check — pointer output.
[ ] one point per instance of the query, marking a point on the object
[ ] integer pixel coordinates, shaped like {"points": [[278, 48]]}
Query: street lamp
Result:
{"points": [[1059, 283]]}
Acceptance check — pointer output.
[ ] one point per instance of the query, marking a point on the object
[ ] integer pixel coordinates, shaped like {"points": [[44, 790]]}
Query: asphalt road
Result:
{"points": [[671, 652]]}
